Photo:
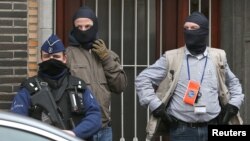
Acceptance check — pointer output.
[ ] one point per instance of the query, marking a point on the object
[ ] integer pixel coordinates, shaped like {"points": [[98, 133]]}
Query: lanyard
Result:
{"points": [[203, 69]]}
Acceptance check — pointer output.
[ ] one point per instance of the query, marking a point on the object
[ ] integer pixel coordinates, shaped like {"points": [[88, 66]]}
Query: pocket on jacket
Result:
{"points": [[82, 72]]}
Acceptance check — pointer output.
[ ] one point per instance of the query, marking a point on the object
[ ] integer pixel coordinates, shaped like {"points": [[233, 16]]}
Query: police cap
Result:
{"points": [[53, 45]]}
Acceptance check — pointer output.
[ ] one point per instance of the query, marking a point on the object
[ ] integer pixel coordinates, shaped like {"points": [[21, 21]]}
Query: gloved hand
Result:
{"points": [[229, 111], [161, 112], [99, 48]]}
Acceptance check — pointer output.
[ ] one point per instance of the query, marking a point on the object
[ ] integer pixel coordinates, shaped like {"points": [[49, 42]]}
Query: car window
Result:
{"points": [[10, 134]]}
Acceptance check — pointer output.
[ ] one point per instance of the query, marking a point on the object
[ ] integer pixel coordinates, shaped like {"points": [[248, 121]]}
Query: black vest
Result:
{"points": [[68, 98]]}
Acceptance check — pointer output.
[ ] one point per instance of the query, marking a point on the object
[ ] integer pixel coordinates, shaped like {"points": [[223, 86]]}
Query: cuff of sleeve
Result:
{"points": [[76, 133], [234, 104], [154, 104]]}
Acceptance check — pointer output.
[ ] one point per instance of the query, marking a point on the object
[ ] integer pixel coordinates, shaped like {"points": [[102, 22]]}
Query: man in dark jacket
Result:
{"points": [[78, 109], [89, 59]]}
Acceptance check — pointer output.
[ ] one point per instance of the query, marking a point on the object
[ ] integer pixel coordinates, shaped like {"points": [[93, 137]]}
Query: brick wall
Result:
{"points": [[32, 37], [18, 42]]}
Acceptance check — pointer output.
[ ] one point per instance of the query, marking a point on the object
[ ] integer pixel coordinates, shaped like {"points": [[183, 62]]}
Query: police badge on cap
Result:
{"points": [[53, 45]]}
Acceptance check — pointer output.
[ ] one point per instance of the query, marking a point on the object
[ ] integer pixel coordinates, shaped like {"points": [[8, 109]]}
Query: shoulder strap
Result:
{"points": [[76, 83], [31, 84]]}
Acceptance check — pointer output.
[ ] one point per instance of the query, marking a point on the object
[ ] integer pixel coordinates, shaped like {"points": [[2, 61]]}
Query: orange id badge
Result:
{"points": [[191, 92]]}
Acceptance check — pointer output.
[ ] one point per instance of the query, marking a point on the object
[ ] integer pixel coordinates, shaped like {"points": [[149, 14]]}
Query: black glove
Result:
{"points": [[161, 112], [229, 111]]}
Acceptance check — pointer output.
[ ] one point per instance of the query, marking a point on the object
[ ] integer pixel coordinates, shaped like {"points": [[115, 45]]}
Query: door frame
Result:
{"points": [[65, 10]]}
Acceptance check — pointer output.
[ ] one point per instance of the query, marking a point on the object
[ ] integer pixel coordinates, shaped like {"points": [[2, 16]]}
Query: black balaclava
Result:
{"points": [[85, 38], [196, 40], [52, 68]]}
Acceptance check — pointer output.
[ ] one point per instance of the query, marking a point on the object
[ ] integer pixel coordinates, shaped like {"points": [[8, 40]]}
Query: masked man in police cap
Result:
{"points": [[75, 105], [187, 98], [89, 59]]}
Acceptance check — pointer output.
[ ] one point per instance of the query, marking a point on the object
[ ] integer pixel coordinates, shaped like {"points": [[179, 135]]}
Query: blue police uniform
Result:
{"points": [[90, 118]]}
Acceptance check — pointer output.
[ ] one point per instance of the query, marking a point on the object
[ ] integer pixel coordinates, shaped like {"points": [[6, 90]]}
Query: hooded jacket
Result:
{"points": [[103, 78]]}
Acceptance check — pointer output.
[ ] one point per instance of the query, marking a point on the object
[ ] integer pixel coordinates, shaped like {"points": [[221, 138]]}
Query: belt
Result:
{"points": [[194, 124], [109, 124]]}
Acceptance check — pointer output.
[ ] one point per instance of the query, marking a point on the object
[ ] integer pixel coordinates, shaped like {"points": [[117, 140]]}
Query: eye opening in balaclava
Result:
{"points": [[196, 40], [85, 38]]}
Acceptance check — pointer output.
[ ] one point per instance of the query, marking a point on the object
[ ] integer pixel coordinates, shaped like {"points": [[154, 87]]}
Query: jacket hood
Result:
{"points": [[73, 41]]}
